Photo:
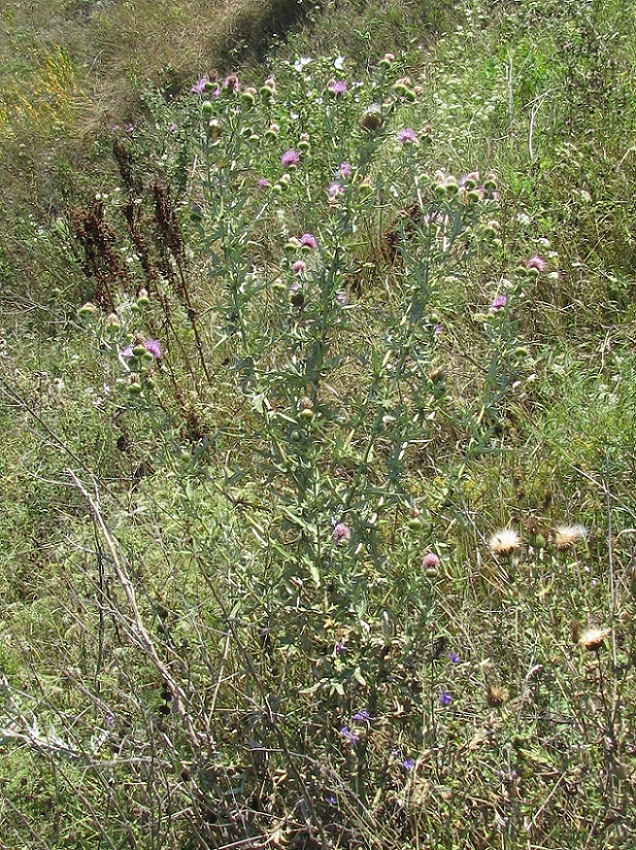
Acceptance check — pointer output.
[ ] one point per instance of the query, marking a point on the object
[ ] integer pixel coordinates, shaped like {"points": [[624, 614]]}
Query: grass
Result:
{"points": [[265, 427]]}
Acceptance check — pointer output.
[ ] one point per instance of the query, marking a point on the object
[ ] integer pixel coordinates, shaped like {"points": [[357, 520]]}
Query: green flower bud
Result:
{"points": [[87, 310], [490, 183]]}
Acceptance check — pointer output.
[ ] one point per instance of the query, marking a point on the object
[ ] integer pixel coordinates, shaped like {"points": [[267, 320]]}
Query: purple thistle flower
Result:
{"points": [[454, 659], [408, 764], [308, 240], [154, 347], [334, 189], [263, 183], [430, 560], [470, 180], [498, 303], [290, 159], [536, 263], [299, 267], [445, 698], [348, 735], [361, 715], [232, 82], [341, 533], [337, 87], [344, 170], [199, 86], [407, 135]]}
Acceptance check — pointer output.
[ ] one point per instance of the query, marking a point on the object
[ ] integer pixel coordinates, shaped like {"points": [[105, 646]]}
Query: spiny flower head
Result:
{"points": [[535, 263], [504, 542], [290, 159], [153, 346], [337, 87], [593, 639], [341, 533], [566, 536], [498, 303], [430, 561], [407, 136], [199, 86]]}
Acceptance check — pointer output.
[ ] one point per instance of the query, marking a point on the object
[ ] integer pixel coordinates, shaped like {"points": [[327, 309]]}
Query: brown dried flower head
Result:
{"points": [[495, 695], [566, 536], [593, 639], [505, 542]]}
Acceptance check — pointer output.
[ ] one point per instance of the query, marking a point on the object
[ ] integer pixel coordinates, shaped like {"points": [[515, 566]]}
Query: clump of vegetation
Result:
{"points": [[319, 520]]}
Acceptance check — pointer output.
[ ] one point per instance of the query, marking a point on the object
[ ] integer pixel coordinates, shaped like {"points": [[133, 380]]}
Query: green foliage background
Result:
{"points": [[252, 590]]}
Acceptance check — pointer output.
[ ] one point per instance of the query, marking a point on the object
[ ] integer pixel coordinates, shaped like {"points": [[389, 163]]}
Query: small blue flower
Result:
{"points": [[454, 658], [361, 715], [348, 735], [408, 764], [445, 698]]}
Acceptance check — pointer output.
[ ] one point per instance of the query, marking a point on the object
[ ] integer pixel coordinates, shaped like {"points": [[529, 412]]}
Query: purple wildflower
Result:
{"points": [[469, 181], [499, 302], [263, 183], [199, 86], [299, 267], [334, 189], [340, 648], [536, 263], [361, 715], [331, 800], [344, 170], [308, 240], [154, 347], [430, 560], [341, 298], [445, 698], [337, 87], [127, 352], [348, 735], [454, 659], [172, 128], [407, 135], [290, 159], [294, 287], [341, 533], [438, 330], [231, 82], [408, 764]]}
